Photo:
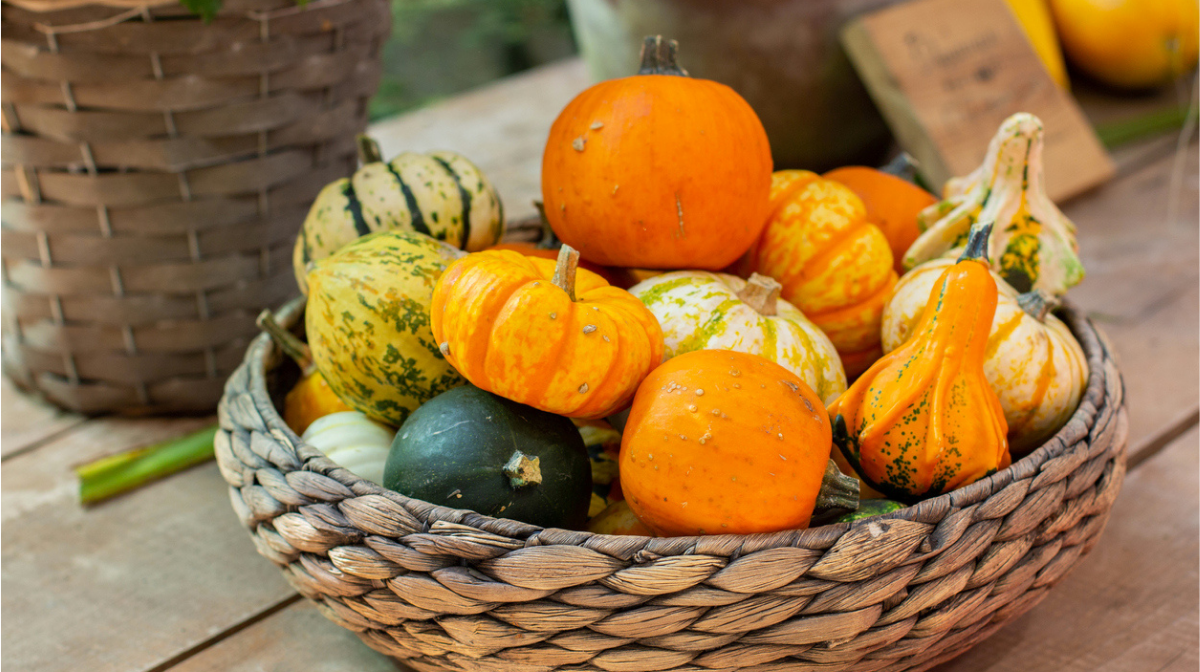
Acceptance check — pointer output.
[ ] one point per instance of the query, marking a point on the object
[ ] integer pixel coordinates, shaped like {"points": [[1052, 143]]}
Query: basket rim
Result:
{"points": [[1103, 378]]}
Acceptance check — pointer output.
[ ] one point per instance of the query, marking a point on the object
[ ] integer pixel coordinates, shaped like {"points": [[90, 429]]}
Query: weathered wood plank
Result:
{"points": [[296, 638], [1132, 605], [25, 420], [130, 583], [501, 127], [1142, 256]]}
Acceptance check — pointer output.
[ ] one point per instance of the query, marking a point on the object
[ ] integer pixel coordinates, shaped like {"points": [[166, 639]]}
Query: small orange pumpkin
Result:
{"points": [[833, 263], [720, 441], [923, 419], [892, 204], [657, 170], [542, 333]]}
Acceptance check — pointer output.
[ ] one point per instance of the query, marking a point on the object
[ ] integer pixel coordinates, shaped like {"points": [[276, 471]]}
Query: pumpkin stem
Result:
{"points": [[549, 239], [760, 293], [838, 495], [368, 149], [293, 347], [977, 243], [658, 57], [564, 272], [1038, 303], [907, 168], [523, 470]]}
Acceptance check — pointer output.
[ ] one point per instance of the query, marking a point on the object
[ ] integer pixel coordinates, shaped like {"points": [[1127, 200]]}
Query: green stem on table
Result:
{"points": [[1117, 133], [115, 474]]}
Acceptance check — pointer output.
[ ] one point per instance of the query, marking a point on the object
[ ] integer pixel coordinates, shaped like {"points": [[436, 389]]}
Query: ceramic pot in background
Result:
{"points": [[782, 56]]}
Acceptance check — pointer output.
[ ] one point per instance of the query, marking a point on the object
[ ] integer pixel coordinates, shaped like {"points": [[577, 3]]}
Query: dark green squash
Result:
{"points": [[470, 449]]}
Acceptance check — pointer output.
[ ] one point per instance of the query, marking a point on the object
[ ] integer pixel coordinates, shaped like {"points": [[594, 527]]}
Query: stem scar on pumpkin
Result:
{"points": [[579, 143], [597, 125]]}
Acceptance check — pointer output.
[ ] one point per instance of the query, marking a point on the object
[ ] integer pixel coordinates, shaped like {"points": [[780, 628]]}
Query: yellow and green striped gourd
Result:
{"points": [[1033, 243], [439, 194], [367, 319], [698, 310]]}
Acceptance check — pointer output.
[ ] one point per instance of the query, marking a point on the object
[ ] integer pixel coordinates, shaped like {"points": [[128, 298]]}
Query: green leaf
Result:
{"points": [[115, 474], [207, 9]]}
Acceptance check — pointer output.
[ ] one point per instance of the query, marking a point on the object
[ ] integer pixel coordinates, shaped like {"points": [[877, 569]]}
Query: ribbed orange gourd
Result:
{"points": [[543, 333], [833, 263], [923, 419], [892, 203]]}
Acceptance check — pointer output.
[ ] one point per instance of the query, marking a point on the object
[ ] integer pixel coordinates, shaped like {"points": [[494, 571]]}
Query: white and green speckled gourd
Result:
{"points": [[439, 194], [698, 310], [1033, 362], [1033, 244]]}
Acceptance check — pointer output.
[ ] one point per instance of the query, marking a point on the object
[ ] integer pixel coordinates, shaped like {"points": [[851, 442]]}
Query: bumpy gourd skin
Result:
{"points": [[1033, 364], [507, 328], [834, 264], [923, 419]]}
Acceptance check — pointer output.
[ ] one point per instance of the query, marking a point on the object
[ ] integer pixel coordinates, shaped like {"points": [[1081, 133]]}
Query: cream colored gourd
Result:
{"points": [[354, 441], [698, 310], [1033, 244], [1034, 364], [440, 194]]}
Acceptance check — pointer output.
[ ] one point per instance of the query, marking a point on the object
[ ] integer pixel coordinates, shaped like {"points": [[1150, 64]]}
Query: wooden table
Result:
{"points": [[166, 579]]}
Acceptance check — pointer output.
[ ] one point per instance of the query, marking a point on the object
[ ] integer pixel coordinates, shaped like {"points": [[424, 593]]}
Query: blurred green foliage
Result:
{"points": [[441, 47]]}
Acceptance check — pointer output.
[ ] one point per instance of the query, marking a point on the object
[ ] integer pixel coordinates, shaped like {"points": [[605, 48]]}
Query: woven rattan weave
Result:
{"points": [[447, 589], [155, 172]]}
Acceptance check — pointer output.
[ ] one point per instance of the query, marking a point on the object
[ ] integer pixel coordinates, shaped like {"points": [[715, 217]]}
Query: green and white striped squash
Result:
{"points": [[698, 310], [1033, 244], [367, 319], [439, 194]]}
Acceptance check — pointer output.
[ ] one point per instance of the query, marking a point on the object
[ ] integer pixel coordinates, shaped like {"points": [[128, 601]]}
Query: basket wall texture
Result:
{"points": [[155, 172], [447, 589]]}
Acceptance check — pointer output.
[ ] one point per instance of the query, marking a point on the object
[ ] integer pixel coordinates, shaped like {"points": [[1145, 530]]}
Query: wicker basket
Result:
{"points": [[446, 589], [155, 172]]}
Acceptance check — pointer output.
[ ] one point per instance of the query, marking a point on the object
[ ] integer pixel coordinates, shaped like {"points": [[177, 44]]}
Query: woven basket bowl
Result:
{"points": [[155, 172], [449, 589]]}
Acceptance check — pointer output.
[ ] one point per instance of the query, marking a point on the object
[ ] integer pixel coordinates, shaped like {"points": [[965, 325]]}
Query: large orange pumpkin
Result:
{"points": [[720, 441], [833, 263], [892, 204], [544, 334], [657, 170]]}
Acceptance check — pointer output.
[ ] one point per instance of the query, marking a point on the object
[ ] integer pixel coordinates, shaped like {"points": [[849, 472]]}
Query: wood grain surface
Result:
{"points": [[132, 582]]}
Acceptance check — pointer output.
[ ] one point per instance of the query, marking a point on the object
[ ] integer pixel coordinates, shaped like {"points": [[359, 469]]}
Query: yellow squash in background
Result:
{"points": [[1035, 18], [1131, 44]]}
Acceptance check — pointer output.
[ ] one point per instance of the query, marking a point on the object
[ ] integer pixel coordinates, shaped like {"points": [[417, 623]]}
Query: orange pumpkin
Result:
{"points": [[612, 276], [892, 204], [720, 441], [657, 170], [833, 263], [544, 334], [923, 420]]}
